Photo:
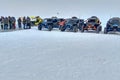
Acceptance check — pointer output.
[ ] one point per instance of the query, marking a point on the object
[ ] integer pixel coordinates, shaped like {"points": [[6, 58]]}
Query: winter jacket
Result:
{"points": [[19, 20], [6, 21], [28, 20], [24, 20]]}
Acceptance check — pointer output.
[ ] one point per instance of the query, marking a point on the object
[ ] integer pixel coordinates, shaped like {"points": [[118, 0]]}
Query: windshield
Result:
{"points": [[91, 20], [115, 21], [72, 21], [49, 20]]}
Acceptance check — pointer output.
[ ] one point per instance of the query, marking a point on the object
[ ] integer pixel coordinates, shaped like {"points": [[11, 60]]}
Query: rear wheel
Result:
{"points": [[100, 28], [75, 29], [105, 31]]}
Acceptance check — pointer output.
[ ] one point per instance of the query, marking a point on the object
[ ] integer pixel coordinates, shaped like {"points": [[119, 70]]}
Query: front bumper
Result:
{"points": [[113, 29]]}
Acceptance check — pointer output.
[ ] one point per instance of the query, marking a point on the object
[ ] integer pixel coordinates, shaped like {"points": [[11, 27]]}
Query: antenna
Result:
{"points": [[57, 14]]}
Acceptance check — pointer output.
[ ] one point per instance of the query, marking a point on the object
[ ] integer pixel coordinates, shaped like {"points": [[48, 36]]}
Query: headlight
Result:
{"points": [[115, 25]]}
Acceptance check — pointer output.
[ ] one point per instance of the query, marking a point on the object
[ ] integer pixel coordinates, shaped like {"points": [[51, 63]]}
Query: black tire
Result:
{"points": [[40, 27], [105, 31], [50, 28], [98, 29], [63, 28], [82, 29], [75, 29], [60, 27]]}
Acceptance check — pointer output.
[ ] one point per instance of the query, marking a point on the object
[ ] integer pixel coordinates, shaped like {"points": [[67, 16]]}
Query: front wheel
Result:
{"points": [[82, 29], [63, 28], [98, 29], [40, 27], [50, 28], [60, 27]]}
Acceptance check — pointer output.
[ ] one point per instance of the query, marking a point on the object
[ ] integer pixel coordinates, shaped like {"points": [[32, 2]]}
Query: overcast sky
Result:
{"points": [[65, 8]]}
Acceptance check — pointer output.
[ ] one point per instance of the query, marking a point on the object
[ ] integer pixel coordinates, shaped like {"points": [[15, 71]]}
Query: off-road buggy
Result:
{"points": [[71, 24], [92, 24], [35, 20], [113, 24], [49, 23]]}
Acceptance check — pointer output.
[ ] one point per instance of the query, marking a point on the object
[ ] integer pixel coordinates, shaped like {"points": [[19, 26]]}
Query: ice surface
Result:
{"points": [[43, 55]]}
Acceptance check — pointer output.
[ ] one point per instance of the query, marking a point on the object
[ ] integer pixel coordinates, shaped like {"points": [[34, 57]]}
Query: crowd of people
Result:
{"points": [[26, 21], [8, 23]]}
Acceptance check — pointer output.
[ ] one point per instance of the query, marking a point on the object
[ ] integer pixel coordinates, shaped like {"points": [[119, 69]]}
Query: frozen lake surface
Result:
{"points": [[43, 55]]}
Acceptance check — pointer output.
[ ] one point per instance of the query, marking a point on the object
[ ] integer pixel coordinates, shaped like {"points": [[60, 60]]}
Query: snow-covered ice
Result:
{"points": [[43, 55]]}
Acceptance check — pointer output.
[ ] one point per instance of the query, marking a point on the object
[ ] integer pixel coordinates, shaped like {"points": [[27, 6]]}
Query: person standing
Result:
{"points": [[24, 22], [2, 22], [28, 23], [19, 23], [14, 22], [10, 22], [6, 21]]}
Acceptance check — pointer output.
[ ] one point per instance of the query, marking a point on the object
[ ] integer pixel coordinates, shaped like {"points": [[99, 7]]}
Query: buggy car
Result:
{"points": [[35, 20], [70, 24], [113, 24], [49, 23], [92, 23]]}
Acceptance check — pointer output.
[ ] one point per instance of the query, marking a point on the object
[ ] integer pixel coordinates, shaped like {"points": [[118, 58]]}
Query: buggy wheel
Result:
{"points": [[75, 29], [98, 29], [50, 27], [24, 27], [60, 27], [63, 28], [105, 31], [79, 28], [40, 27], [82, 29]]}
